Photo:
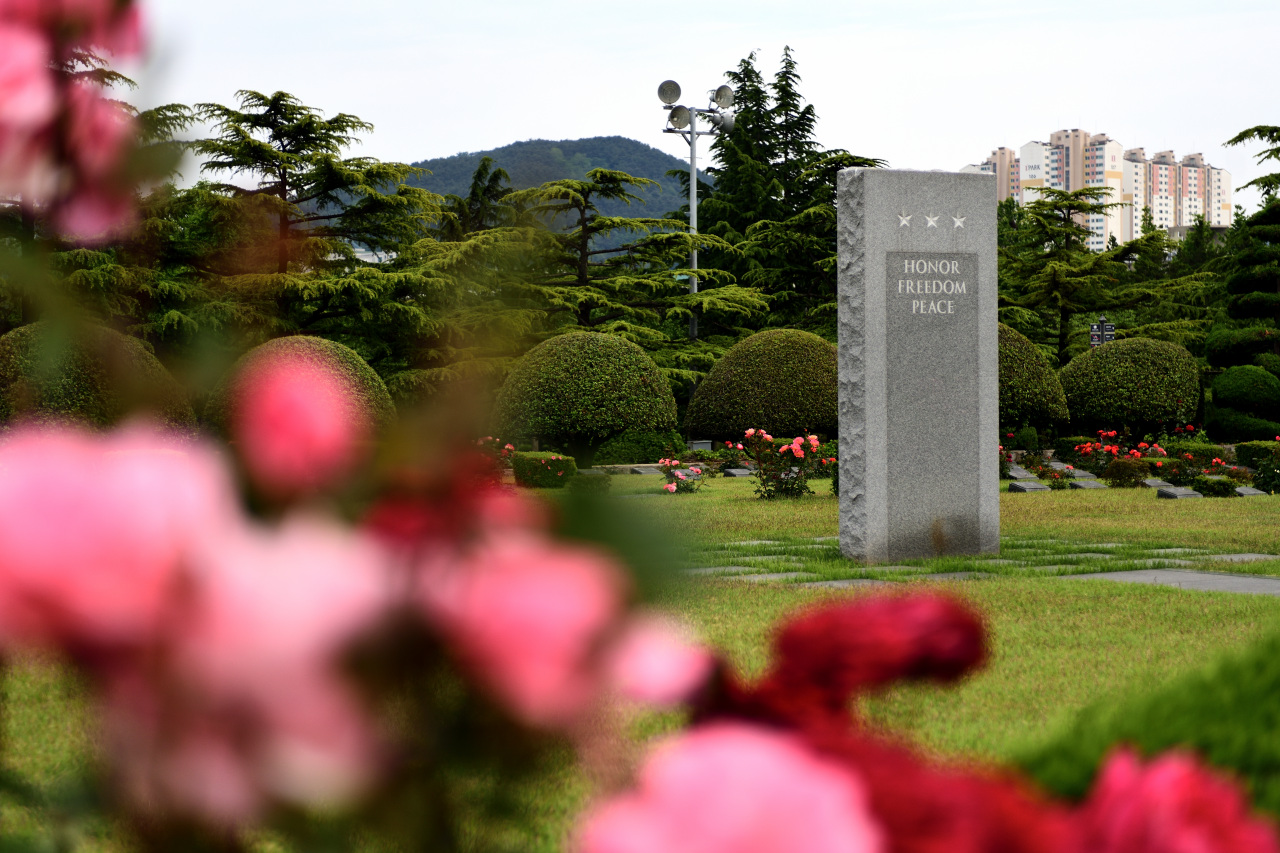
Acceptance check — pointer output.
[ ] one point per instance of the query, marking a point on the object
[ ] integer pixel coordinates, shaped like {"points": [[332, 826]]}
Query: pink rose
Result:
{"points": [[297, 424], [696, 470], [248, 705], [752, 432], [1171, 804], [655, 662], [27, 96], [735, 787], [95, 529], [739, 446], [95, 215], [799, 453], [98, 130], [525, 616], [670, 487], [768, 437]]}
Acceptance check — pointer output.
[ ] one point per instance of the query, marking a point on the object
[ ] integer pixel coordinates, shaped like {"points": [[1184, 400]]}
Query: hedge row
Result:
{"points": [[1226, 713]]}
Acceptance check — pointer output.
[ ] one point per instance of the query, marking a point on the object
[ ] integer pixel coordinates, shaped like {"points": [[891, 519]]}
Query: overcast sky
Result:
{"points": [[924, 84]]}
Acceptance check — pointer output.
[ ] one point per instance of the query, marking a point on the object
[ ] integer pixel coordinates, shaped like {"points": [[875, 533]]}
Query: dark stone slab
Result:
{"points": [[1176, 492], [1080, 474], [1155, 483], [851, 583], [737, 472], [1017, 472], [1029, 486], [720, 570], [1058, 466], [646, 469], [1183, 579], [699, 445], [1248, 491], [775, 577], [1086, 484], [1240, 558], [688, 474]]}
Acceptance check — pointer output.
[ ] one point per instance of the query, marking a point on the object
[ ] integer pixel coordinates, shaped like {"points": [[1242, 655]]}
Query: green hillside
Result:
{"points": [[537, 161]]}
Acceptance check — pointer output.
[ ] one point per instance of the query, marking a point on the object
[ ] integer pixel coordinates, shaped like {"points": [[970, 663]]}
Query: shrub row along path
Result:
{"points": [[765, 561]]}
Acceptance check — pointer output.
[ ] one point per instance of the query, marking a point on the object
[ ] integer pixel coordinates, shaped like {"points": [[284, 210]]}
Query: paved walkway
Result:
{"points": [[1183, 579], [1160, 566]]}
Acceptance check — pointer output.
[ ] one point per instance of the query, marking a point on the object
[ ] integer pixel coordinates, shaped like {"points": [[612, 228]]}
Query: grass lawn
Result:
{"points": [[1058, 644]]}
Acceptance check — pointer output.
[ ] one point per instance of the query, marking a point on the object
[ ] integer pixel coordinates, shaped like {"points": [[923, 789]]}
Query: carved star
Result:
{"points": [[959, 220], [904, 221], [932, 220]]}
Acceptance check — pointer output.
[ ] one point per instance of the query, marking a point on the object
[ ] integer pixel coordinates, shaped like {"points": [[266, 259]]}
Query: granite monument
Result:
{"points": [[918, 401]]}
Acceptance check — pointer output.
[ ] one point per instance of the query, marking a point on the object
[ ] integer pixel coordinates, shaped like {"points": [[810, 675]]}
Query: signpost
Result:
{"points": [[1101, 332]]}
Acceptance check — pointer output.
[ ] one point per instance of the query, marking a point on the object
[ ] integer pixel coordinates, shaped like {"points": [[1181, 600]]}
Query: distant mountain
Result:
{"points": [[537, 161]]}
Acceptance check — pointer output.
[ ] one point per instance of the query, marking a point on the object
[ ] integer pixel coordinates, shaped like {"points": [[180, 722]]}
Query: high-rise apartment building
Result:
{"points": [[1175, 191]]}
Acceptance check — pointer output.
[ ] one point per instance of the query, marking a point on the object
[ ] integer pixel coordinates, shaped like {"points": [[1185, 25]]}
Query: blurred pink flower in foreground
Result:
{"points": [[63, 143], [27, 96], [93, 530], [735, 788], [247, 705], [111, 25], [296, 424], [1172, 805], [526, 616], [655, 662]]}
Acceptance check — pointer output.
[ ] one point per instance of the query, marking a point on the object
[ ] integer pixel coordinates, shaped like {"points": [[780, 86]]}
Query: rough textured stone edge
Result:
{"points": [[852, 346]]}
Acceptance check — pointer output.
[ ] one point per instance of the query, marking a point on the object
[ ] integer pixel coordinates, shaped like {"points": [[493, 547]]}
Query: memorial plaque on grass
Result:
{"points": [[1017, 472], [1086, 484], [1248, 491], [918, 397], [737, 472], [1176, 492], [1029, 486], [1154, 483]]}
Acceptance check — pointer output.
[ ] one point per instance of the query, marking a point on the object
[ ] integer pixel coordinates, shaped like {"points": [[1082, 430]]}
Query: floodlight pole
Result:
{"points": [[723, 121], [693, 216]]}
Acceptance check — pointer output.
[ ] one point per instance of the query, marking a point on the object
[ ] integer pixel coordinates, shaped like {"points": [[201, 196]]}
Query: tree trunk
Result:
{"points": [[1064, 332]]}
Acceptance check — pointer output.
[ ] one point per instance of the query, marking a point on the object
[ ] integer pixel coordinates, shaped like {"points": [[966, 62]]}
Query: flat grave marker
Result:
{"points": [[1177, 492]]}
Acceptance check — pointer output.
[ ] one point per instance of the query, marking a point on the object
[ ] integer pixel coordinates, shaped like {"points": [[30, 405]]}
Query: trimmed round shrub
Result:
{"points": [[86, 374], [1030, 392], [543, 470], [1230, 425], [1254, 453], [1127, 473], [1138, 384], [783, 381], [580, 389], [639, 447], [366, 386], [1248, 389]]}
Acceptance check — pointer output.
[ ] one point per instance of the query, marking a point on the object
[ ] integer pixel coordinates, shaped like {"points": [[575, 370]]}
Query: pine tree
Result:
{"points": [[638, 290], [774, 198], [322, 230], [1051, 283]]}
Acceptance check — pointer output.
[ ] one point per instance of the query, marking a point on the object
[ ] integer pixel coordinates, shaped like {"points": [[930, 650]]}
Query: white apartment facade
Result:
{"points": [[1176, 191]]}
